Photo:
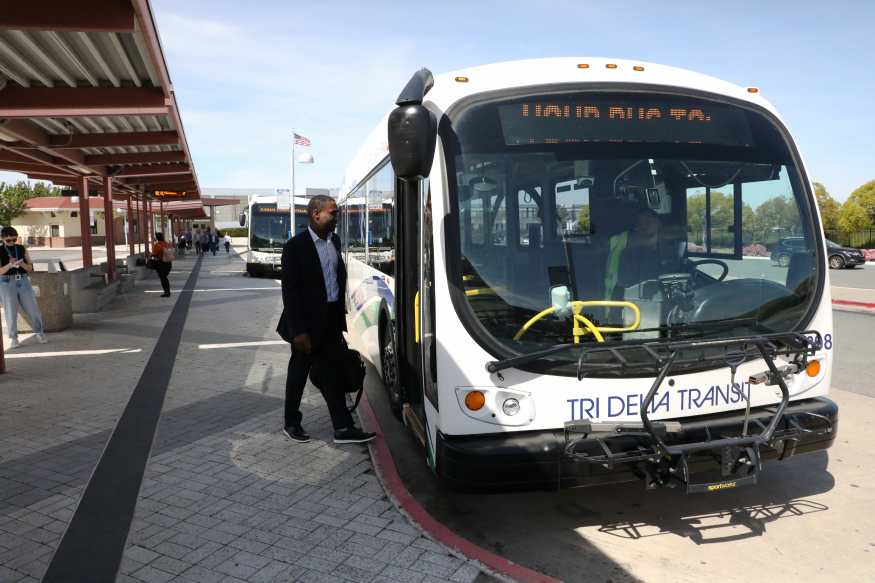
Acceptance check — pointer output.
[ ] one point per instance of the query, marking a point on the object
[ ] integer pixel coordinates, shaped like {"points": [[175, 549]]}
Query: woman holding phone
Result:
{"points": [[15, 288]]}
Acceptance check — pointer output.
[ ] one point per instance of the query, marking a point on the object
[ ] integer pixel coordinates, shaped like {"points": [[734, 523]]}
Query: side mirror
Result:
{"points": [[412, 130], [412, 137], [243, 219]]}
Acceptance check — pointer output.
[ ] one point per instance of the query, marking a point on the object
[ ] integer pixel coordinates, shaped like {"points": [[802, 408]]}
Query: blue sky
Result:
{"points": [[245, 73]]}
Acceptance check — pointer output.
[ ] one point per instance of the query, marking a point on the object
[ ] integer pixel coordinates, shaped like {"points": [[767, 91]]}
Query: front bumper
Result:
{"points": [[534, 460], [854, 260]]}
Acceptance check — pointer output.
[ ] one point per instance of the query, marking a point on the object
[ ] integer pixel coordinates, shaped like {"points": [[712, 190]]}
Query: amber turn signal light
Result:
{"points": [[462, 79], [475, 400], [813, 368], [753, 90], [610, 66], [638, 68], [583, 66]]}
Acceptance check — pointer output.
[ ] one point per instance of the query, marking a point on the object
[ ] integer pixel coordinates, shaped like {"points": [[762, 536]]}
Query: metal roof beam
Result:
{"points": [[71, 52], [143, 158], [27, 133], [23, 63], [37, 168], [81, 102], [69, 15], [31, 42], [182, 182], [120, 140], [126, 59], [158, 169], [98, 55]]}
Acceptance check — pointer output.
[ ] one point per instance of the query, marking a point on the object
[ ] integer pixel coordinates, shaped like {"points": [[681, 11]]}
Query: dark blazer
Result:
{"points": [[305, 299]]}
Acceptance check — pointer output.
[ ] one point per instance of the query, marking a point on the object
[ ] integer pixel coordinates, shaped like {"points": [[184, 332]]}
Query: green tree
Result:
{"points": [[858, 212], [830, 209], [777, 213], [583, 220], [41, 189], [13, 199]]}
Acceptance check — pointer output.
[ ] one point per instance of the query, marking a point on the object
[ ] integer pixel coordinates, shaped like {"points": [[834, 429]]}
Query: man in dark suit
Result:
{"points": [[314, 320]]}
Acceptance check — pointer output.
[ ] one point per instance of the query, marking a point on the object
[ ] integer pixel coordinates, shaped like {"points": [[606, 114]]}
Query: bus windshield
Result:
{"points": [[269, 230], [573, 207]]}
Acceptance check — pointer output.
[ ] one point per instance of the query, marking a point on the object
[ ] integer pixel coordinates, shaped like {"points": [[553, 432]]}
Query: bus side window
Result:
{"points": [[381, 221]]}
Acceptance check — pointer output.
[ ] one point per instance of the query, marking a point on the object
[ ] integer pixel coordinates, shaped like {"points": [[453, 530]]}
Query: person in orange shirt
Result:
{"points": [[162, 256]]}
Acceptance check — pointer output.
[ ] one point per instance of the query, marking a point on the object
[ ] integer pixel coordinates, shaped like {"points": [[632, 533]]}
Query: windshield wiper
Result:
{"points": [[494, 366]]}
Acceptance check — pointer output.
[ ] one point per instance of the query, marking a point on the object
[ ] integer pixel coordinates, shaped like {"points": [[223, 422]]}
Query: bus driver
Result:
{"points": [[645, 256]]}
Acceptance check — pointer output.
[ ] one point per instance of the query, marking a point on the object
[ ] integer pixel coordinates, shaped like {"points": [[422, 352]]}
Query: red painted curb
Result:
{"points": [[858, 304], [386, 470]]}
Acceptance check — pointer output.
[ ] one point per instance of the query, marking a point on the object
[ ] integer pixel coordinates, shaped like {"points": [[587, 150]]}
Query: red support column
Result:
{"points": [[162, 221], [109, 227], [147, 220], [130, 227], [84, 222]]}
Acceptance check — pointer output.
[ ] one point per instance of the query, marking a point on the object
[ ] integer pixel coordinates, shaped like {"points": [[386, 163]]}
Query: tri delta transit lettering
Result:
{"points": [[674, 399]]}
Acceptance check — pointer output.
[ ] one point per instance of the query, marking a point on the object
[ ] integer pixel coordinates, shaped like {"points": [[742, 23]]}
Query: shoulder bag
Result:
{"points": [[353, 372]]}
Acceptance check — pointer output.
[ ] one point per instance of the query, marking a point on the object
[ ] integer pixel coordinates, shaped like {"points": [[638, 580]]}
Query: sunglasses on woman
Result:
{"points": [[10, 240]]}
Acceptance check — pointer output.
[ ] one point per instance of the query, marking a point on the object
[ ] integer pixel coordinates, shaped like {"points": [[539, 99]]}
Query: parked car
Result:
{"points": [[784, 248], [837, 257], [843, 256]]}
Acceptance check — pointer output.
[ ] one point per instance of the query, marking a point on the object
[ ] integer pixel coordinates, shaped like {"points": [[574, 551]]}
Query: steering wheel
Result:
{"points": [[696, 264], [576, 307]]}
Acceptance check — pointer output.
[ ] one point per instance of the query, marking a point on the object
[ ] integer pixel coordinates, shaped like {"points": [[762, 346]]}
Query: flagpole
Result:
{"points": [[292, 193]]}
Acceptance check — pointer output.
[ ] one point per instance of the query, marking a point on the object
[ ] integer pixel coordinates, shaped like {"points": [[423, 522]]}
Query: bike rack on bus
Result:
{"points": [[666, 463]]}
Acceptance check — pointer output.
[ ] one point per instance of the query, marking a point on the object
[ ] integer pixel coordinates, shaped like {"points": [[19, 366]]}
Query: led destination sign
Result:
{"points": [[570, 122], [268, 208], [170, 193]]}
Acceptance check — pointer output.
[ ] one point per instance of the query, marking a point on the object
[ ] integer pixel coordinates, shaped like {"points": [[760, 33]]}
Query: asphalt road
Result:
{"points": [[810, 518]]}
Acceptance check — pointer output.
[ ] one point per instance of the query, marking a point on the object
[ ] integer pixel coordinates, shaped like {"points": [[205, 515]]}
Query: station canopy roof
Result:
{"points": [[85, 91]]}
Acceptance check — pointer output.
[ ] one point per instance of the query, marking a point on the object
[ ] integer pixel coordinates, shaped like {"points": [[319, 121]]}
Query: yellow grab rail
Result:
{"points": [[578, 319], [416, 315]]}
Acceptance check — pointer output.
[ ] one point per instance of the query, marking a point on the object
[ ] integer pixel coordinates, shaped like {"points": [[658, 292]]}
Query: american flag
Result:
{"points": [[301, 140]]}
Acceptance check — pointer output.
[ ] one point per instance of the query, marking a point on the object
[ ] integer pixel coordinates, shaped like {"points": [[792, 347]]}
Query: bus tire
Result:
{"points": [[389, 368], [254, 270]]}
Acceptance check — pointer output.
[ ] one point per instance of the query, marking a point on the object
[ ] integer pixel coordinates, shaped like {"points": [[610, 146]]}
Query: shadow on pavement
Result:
{"points": [[547, 531]]}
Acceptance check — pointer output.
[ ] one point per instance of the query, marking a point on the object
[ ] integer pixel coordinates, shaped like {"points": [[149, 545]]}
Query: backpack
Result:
{"points": [[167, 255]]}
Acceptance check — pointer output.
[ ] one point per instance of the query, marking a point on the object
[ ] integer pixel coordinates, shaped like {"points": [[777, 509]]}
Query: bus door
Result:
{"points": [[408, 276]]}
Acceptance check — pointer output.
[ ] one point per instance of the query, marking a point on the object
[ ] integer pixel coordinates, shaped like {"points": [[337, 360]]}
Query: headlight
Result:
{"points": [[511, 407]]}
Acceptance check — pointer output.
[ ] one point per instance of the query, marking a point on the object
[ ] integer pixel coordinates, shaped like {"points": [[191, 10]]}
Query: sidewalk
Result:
{"points": [[225, 496]]}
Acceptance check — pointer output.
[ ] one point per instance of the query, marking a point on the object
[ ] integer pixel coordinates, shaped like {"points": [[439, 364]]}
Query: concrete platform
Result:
{"points": [[224, 497]]}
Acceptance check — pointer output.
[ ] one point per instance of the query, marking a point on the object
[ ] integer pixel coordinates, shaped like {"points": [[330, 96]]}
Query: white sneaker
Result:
{"points": [[41, 336], [15, 343]]}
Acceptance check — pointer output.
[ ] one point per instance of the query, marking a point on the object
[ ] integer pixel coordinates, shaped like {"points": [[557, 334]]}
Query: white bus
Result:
{"points": [[269, 229], [560, 268]]}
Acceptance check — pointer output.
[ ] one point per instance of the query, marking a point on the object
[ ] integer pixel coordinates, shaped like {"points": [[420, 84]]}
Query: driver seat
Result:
{"points": [[800, 272]]}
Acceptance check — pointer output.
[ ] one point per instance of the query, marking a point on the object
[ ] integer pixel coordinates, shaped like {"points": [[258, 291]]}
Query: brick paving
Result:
{"points": [[225, 498]]}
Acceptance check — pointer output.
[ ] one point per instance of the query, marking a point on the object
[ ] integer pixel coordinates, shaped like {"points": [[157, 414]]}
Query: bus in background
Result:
{"points": [[553, 265], [269, 229]]}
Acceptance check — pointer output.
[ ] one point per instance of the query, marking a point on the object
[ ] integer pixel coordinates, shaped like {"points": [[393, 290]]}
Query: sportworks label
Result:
{"points": [[721, 486]]}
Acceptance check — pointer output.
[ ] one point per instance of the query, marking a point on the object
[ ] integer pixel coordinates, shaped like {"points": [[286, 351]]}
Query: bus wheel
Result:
{"points": [[389, 364]]}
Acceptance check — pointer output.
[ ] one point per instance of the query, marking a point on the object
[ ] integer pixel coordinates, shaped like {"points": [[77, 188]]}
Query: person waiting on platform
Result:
{"points": [[645, 256], [188, 240], [314, 320], [163, 261], [15, 287], [227, 243], [205, 241]]}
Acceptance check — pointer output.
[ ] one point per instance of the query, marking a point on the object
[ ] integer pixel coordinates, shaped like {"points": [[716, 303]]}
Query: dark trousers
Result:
{"points": [[328, 351], [227, 247], [206, 248], [197, 247], [163, 269]]}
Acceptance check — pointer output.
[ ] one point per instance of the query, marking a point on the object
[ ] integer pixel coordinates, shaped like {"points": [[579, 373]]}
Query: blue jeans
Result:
{"points": [[19, 292]]}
